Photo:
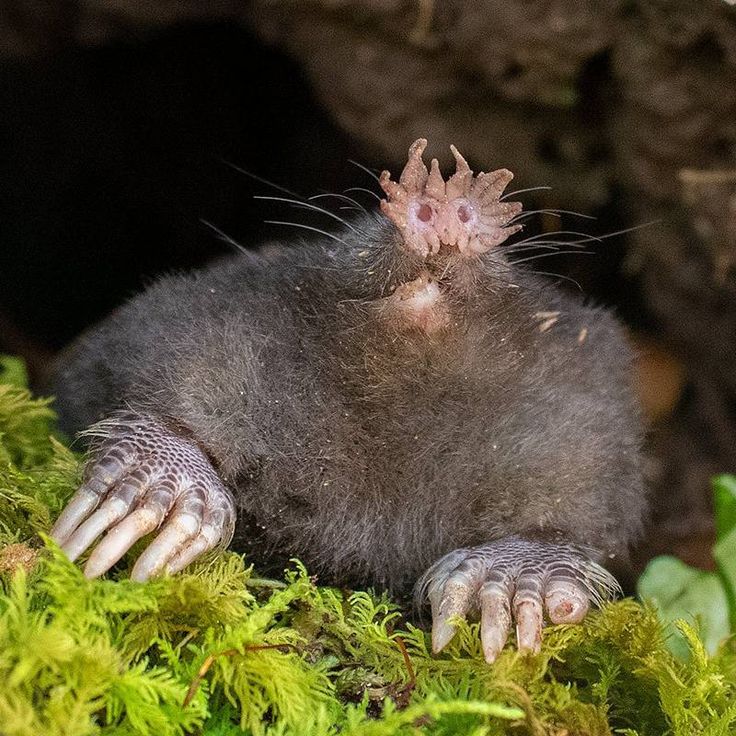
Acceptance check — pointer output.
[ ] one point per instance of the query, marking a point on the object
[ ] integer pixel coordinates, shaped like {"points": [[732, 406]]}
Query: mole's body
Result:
{"points": [[369, 405]]}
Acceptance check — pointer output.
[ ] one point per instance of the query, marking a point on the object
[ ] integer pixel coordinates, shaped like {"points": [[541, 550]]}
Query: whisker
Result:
{"points": [[541, 245], [306, 227], [347, 224], [223, 236], [308, 206], [364, 168], [506, 282], [521, 191], [557, 276], [344, 198], [628, 230], [363, 189], [584, 237], [532, 243], [550, 242], [531, 213], [556, 253], [555, 212], [261, 179]]}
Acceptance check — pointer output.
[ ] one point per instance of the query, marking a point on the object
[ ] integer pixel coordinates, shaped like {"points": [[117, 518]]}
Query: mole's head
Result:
{"points": [[464, 213], [433, 263]]}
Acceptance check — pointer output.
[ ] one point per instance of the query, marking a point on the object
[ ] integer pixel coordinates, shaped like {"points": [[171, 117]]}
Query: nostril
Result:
{"points": [[424, 213], [463, 213]]}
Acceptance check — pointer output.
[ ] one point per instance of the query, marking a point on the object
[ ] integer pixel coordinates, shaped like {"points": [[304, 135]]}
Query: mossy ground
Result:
{"points": [[217, 650]]}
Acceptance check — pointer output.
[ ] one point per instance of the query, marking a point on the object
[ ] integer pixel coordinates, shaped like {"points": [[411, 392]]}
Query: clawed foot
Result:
{"points": [[513, 579], [141, 476]]}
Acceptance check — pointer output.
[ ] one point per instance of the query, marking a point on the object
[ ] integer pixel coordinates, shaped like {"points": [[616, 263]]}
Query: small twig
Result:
{"points": [[210, 660], [407, 690], [192, 633], [265, 583]]}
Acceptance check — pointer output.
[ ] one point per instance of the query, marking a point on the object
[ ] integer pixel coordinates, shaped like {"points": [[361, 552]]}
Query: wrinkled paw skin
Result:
{"points": [[140, 477], [513, 580]]}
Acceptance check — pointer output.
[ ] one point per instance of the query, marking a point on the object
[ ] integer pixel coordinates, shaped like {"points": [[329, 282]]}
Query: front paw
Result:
{"points": [[513, 579], [141, 476]]}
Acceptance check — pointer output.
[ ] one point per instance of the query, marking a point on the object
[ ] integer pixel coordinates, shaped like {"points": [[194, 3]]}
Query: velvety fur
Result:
{"points": [[355, 439]]}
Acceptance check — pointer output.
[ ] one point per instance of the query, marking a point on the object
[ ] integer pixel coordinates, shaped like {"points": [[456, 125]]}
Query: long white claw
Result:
{"points": [[495, 621], [177, 531], [108, 514], [455, 601], [103, 476], [207, 539], [120, 539], [513, 581], [566, 602], [529, 619], [82, 503]]}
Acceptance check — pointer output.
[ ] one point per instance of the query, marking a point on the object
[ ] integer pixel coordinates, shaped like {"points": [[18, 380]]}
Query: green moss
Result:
{"points": [[269, 657]]}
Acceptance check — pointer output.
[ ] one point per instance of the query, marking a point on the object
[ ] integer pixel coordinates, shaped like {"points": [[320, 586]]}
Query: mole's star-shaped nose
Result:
{"points": [[465, 211]]}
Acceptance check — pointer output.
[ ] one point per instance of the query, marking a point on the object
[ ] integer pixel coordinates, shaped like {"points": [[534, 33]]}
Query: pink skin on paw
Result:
{"points": [[513, 581], [141, 477], [465, 211]]}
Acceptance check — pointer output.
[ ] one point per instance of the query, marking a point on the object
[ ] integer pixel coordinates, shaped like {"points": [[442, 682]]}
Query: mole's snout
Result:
{"points": [[464, 212]]}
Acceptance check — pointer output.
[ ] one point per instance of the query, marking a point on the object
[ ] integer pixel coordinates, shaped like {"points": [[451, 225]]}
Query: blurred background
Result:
{"points": [[133, 134]]}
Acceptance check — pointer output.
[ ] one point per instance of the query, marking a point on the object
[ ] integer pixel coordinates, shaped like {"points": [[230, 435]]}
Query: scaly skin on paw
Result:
{"points": [[141, 476], [517, 580], [465, 212]]}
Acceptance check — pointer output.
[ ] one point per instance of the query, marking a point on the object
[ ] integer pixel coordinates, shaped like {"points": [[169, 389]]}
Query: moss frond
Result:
{"points": [[220, 652], [25, 422]]}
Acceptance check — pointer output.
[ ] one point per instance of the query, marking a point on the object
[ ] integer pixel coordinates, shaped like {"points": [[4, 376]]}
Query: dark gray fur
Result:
{"points": [[358, 443]]}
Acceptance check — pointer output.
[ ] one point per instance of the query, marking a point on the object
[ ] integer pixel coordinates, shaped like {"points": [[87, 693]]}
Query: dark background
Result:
{"points": [[124, 124]]}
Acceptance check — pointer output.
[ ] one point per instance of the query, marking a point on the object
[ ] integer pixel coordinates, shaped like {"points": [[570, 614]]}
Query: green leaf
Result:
{"points": [[724, 552], [684, 593], [681, 592], [724, 502]]}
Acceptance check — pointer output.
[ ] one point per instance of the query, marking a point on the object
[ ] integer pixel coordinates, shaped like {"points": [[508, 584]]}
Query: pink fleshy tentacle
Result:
{"points": [[459, 184], [435, 187], [414, 176], [465, 212]]}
